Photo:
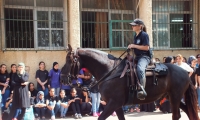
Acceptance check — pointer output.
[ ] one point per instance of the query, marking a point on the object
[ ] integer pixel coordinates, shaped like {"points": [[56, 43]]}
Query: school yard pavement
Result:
{"points": [[139, 116]]}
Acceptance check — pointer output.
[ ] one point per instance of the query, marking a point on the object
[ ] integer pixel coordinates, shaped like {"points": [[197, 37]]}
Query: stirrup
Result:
{"points": [[141, 95]]}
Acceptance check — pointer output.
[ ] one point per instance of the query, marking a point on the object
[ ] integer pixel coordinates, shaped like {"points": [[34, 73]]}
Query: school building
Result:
{"points": [[40, 30]]}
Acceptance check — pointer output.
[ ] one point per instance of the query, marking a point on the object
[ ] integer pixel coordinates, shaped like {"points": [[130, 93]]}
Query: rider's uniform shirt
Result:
{"points": [[141, 39]]}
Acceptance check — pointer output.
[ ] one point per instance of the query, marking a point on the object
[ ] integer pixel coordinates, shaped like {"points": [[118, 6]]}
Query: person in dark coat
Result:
{"points": [[169, 59], [21, 99]]}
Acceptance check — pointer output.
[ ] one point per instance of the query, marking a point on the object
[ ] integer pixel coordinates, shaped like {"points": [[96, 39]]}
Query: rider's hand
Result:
{"points": [[130, 46]]}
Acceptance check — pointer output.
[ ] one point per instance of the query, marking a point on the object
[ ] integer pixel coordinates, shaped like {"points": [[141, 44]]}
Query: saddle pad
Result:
{"points": [[160, 69]]}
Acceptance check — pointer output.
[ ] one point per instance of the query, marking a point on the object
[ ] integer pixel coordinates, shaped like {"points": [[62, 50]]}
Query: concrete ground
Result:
{"points": [[139, 116]]}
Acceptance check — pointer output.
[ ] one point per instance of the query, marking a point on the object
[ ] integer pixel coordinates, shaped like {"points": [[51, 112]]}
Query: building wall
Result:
{"points": [[32, 58]]}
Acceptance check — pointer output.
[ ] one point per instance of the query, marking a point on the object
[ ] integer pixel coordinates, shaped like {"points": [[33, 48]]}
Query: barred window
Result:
{"points": [[105, 23], [173, 23], [35, 24]]}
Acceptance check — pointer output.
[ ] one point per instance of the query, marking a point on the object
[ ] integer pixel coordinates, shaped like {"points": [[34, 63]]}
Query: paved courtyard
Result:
{"points": [[139, 116]]}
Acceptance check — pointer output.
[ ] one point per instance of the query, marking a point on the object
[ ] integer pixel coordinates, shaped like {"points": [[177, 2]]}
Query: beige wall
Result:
{"points": [[163, 53], [32, 59]]}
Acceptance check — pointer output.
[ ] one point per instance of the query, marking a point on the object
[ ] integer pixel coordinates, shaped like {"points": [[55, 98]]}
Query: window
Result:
{"points": [[34, 24], [50, 29], [172, 24], [122, 34], [105, 23], [19, 28]]}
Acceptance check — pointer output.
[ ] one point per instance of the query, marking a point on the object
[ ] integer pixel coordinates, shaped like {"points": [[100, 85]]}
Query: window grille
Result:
{"points": [[174, 24], [105, 23], [34, 25]]}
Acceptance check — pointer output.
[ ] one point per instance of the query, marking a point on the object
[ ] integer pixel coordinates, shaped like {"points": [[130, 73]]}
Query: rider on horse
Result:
{"points": [[141, 51]]}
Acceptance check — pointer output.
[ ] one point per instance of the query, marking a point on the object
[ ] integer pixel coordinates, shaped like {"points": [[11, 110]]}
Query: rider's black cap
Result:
{"points": [[137, 22]]}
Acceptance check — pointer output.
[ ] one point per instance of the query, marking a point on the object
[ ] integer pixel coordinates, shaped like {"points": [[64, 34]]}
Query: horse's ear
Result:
{"points": [[69, 48]]}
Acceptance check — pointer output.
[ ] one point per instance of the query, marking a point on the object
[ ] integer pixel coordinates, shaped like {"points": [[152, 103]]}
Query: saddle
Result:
{"points": [[153, 69]]}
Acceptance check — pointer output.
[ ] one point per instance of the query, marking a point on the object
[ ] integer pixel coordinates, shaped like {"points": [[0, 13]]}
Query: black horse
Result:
{"points": [[174, 85]]}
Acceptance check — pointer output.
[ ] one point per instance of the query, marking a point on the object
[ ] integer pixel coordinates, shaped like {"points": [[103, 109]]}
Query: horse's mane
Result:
{"points": [[102, 53], [67, 67]]}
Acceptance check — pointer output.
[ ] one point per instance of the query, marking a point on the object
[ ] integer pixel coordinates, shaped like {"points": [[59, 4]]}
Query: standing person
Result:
{"points": [[164, 58], [141, 50], [192, 62], [4, 84], [198, 86], [42, 78], [21, 99], [54, 78], [95, 95], [185, 66], [169, 59], [185, 59], [13, 70], [198, 60]]}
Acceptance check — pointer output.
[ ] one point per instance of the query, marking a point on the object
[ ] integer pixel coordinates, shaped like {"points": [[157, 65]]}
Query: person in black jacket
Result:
{"points": [[21, 99], [13, 70], [4, 84]]}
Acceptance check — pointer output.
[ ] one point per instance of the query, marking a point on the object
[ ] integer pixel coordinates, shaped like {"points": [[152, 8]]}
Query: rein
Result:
{"points": [[100, 80]]}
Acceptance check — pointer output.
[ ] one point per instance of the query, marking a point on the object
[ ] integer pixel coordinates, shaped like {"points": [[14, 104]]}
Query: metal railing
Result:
{"points": [[103, 23], [34, 25], [175, 24]]}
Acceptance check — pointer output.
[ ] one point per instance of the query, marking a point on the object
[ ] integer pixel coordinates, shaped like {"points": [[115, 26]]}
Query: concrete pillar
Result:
{"points": [[198, 13], [0, 24], [195, 25], [74, 23], [145, 13]]}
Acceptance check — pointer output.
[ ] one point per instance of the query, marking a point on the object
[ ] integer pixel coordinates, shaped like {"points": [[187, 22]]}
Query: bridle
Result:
{"points": [[75, 62]]}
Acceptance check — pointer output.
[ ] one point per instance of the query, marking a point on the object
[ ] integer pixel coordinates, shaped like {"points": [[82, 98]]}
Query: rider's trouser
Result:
{"points": [[142, 63]]}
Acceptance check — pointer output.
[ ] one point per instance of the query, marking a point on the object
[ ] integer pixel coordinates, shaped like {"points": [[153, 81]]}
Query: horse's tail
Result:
{"points": [[191, 102]]}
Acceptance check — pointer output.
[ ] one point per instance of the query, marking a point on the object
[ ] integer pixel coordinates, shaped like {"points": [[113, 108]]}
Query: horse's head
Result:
{"points": [[71, 68]]}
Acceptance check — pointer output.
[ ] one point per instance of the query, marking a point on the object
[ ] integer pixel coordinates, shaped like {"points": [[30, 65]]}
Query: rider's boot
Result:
{"points": [[141, 94]]}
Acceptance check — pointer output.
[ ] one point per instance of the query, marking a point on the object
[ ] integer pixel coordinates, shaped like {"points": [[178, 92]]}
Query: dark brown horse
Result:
{"points": [[174, 85]]}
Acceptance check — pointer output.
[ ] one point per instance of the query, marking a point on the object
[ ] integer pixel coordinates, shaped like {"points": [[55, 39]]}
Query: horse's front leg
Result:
{"points": [[120, 114], [109, 109]]}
